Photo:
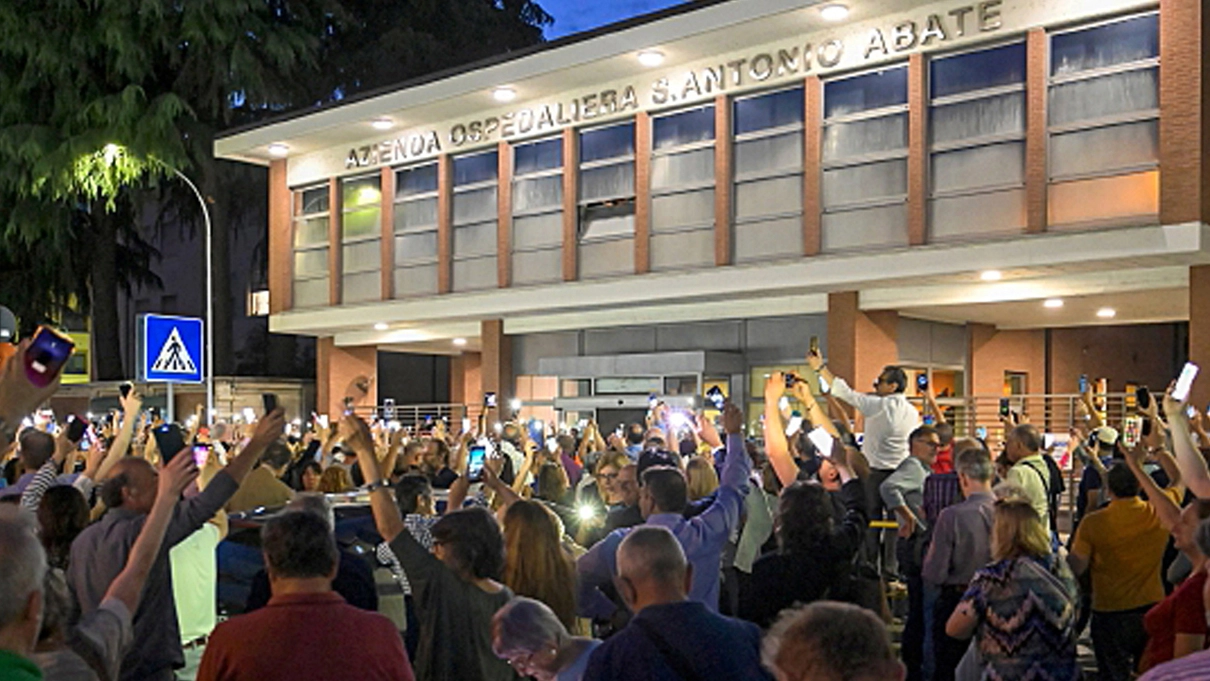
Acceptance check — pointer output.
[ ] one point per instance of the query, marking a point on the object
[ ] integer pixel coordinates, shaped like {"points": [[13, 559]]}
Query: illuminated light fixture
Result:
{"points": [[991, 275], [382, 123], [834, 12], [504, 94], [515, 404], [651, 58], [460, 342], [1053, 303], [1107, 313], [279, 150], [381, 326]]}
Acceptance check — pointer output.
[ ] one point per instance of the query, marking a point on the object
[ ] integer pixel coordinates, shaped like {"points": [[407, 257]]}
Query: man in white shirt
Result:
{"points": [[889, 420]]}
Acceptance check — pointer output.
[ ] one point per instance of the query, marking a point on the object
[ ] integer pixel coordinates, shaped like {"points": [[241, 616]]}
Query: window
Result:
{"points": [[538, 212], [311, 218], [768, 175], [475, 218], [865, 140], [361, 239], [682, 190], [977, 143], [606, 202], [1103, 123], [258, 303], [416, 231]]}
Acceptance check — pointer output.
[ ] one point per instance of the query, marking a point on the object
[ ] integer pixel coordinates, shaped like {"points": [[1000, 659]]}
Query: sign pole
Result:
{"points": [[208, 364], [170, 409]]}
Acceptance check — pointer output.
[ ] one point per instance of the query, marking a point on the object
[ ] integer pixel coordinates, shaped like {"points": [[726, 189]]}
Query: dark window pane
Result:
{"points": [[1117, 43], [978, 70], [863, 93], [475, 168], [315, 200], [769, 111], [538, 156], [611, 142], [418, 180], [687, 127]]}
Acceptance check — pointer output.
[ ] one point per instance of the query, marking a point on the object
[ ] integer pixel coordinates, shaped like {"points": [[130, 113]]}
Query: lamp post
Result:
{"points": [[209, 300]]}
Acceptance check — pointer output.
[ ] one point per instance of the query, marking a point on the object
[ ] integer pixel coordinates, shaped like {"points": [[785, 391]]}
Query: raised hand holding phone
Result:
{"points": [[1184, 382]]}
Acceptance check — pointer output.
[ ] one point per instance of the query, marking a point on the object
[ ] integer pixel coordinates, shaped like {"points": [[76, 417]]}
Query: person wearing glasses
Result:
{"points": [[889, 419]]}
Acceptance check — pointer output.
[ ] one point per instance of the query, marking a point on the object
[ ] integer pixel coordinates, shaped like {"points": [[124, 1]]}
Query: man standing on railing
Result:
{"points": [[889, 420]]}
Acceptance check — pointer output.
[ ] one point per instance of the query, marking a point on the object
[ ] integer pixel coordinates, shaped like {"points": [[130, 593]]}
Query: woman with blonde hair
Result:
{"points": [[1022, 606], [335, 480], [535, 562], [701, 478]]}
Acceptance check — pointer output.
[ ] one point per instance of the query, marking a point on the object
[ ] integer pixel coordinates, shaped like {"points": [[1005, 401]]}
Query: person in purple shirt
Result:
{"points": [[662, 501], [567, 457]]}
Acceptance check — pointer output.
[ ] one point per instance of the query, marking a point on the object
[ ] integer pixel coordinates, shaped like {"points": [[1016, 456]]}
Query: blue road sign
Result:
{"points": [[170, 349]]}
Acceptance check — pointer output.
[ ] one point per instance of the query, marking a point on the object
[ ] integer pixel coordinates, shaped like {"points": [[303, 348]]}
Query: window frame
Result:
{"points": [[868, 158], [402, 261], [297, 218]]}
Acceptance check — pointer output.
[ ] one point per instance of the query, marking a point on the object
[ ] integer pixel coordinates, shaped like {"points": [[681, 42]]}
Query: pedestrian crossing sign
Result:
{"points": [[170, 349]]}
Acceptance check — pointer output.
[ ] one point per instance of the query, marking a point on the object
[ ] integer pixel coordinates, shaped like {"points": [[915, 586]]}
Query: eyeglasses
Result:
{"points": [[608, 476], [520, 662]]}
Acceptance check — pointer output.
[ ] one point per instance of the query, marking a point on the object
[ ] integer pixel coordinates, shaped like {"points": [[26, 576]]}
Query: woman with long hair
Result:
{"points": [[701, 478], [535, 562], [335, 480], [1021, 607], [309, 477], [62, 516]]}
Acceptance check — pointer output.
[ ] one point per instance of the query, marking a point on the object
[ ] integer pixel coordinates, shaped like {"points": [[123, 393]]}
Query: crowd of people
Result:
{"points": [[679, 548]]}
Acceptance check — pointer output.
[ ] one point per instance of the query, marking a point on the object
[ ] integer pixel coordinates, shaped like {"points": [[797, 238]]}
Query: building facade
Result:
{"points": [[1001, 195]]}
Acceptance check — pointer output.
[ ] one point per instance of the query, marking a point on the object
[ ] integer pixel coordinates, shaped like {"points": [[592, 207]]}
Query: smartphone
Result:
{"points": [[46, 355], [1004, 408], [1184, 382], [930, 420], [822, 441], [922, 381], [814, 346], [201, 454], [981, 432], [794, 424], [1142, 397], [169, 439], [1191, 411], [824, 388], [474, 465], [791, 379], [388, 408], [1134, 429], [125, 388], [489, 400], [652, 400], [75, 428], [1083, 383], [249, 415], [466, 425], [716, 397], [537, 432], [270, 402]]}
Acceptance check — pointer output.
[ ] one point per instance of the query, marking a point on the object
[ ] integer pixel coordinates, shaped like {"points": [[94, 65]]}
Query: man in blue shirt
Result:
{"points": [[671, 638], [662, 501]]}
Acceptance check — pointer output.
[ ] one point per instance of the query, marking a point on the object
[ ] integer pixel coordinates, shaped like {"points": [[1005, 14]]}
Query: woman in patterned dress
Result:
{"points": [[1022, 605]]}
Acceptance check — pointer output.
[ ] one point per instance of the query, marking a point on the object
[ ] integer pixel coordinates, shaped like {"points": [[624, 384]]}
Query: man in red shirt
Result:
{"points": [[294, 636]]}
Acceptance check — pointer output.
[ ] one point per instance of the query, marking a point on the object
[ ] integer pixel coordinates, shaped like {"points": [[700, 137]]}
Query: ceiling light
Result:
{"points": [[460, 342], [1107, 313], [651, 57], [504, 94], [383, 123], [279, 150], [834, 12], [991, 275], [1053, 303], [381, 326]]}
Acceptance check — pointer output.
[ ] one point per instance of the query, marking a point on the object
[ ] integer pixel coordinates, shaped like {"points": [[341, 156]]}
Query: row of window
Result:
{"points": [[1102, 125]]}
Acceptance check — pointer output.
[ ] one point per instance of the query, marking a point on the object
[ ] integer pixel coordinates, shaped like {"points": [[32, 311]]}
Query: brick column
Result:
{"points": [[335, 219], [860, 343], [918, 153], [504, 215], [281, 240], [496, 368], [812, 171], [1199, 330], [388, 233], [1036, 176], [445, 221], [341, 372], [722, 180], [642, 193], [1184, 178], [571, 204]]}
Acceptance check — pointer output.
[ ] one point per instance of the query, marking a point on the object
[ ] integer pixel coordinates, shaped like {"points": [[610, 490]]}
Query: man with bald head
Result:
{"points": [[1029, 472], [101, 550], [670, 638]]}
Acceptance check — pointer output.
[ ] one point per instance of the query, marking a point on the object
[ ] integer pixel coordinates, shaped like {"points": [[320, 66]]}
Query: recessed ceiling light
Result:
{"points": [[460, 342], [1053, 303], [279, 150], [383, 123], [651, 57], [1107, 313], [381, 326], [504, 94], [834, 12], [991, 275]]}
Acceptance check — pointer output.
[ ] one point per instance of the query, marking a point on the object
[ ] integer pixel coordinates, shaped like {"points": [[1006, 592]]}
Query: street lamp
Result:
{"points": [[209, 299]]}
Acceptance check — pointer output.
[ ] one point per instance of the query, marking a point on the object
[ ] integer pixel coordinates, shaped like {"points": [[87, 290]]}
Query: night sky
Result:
{"points": [[573, 16]]}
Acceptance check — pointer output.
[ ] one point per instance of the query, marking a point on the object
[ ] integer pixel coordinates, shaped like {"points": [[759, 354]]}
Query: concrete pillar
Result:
{"points": [[860, 343], [281, 239], [1199, 331], [466, 385], [496, 372], [344, 372]]}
